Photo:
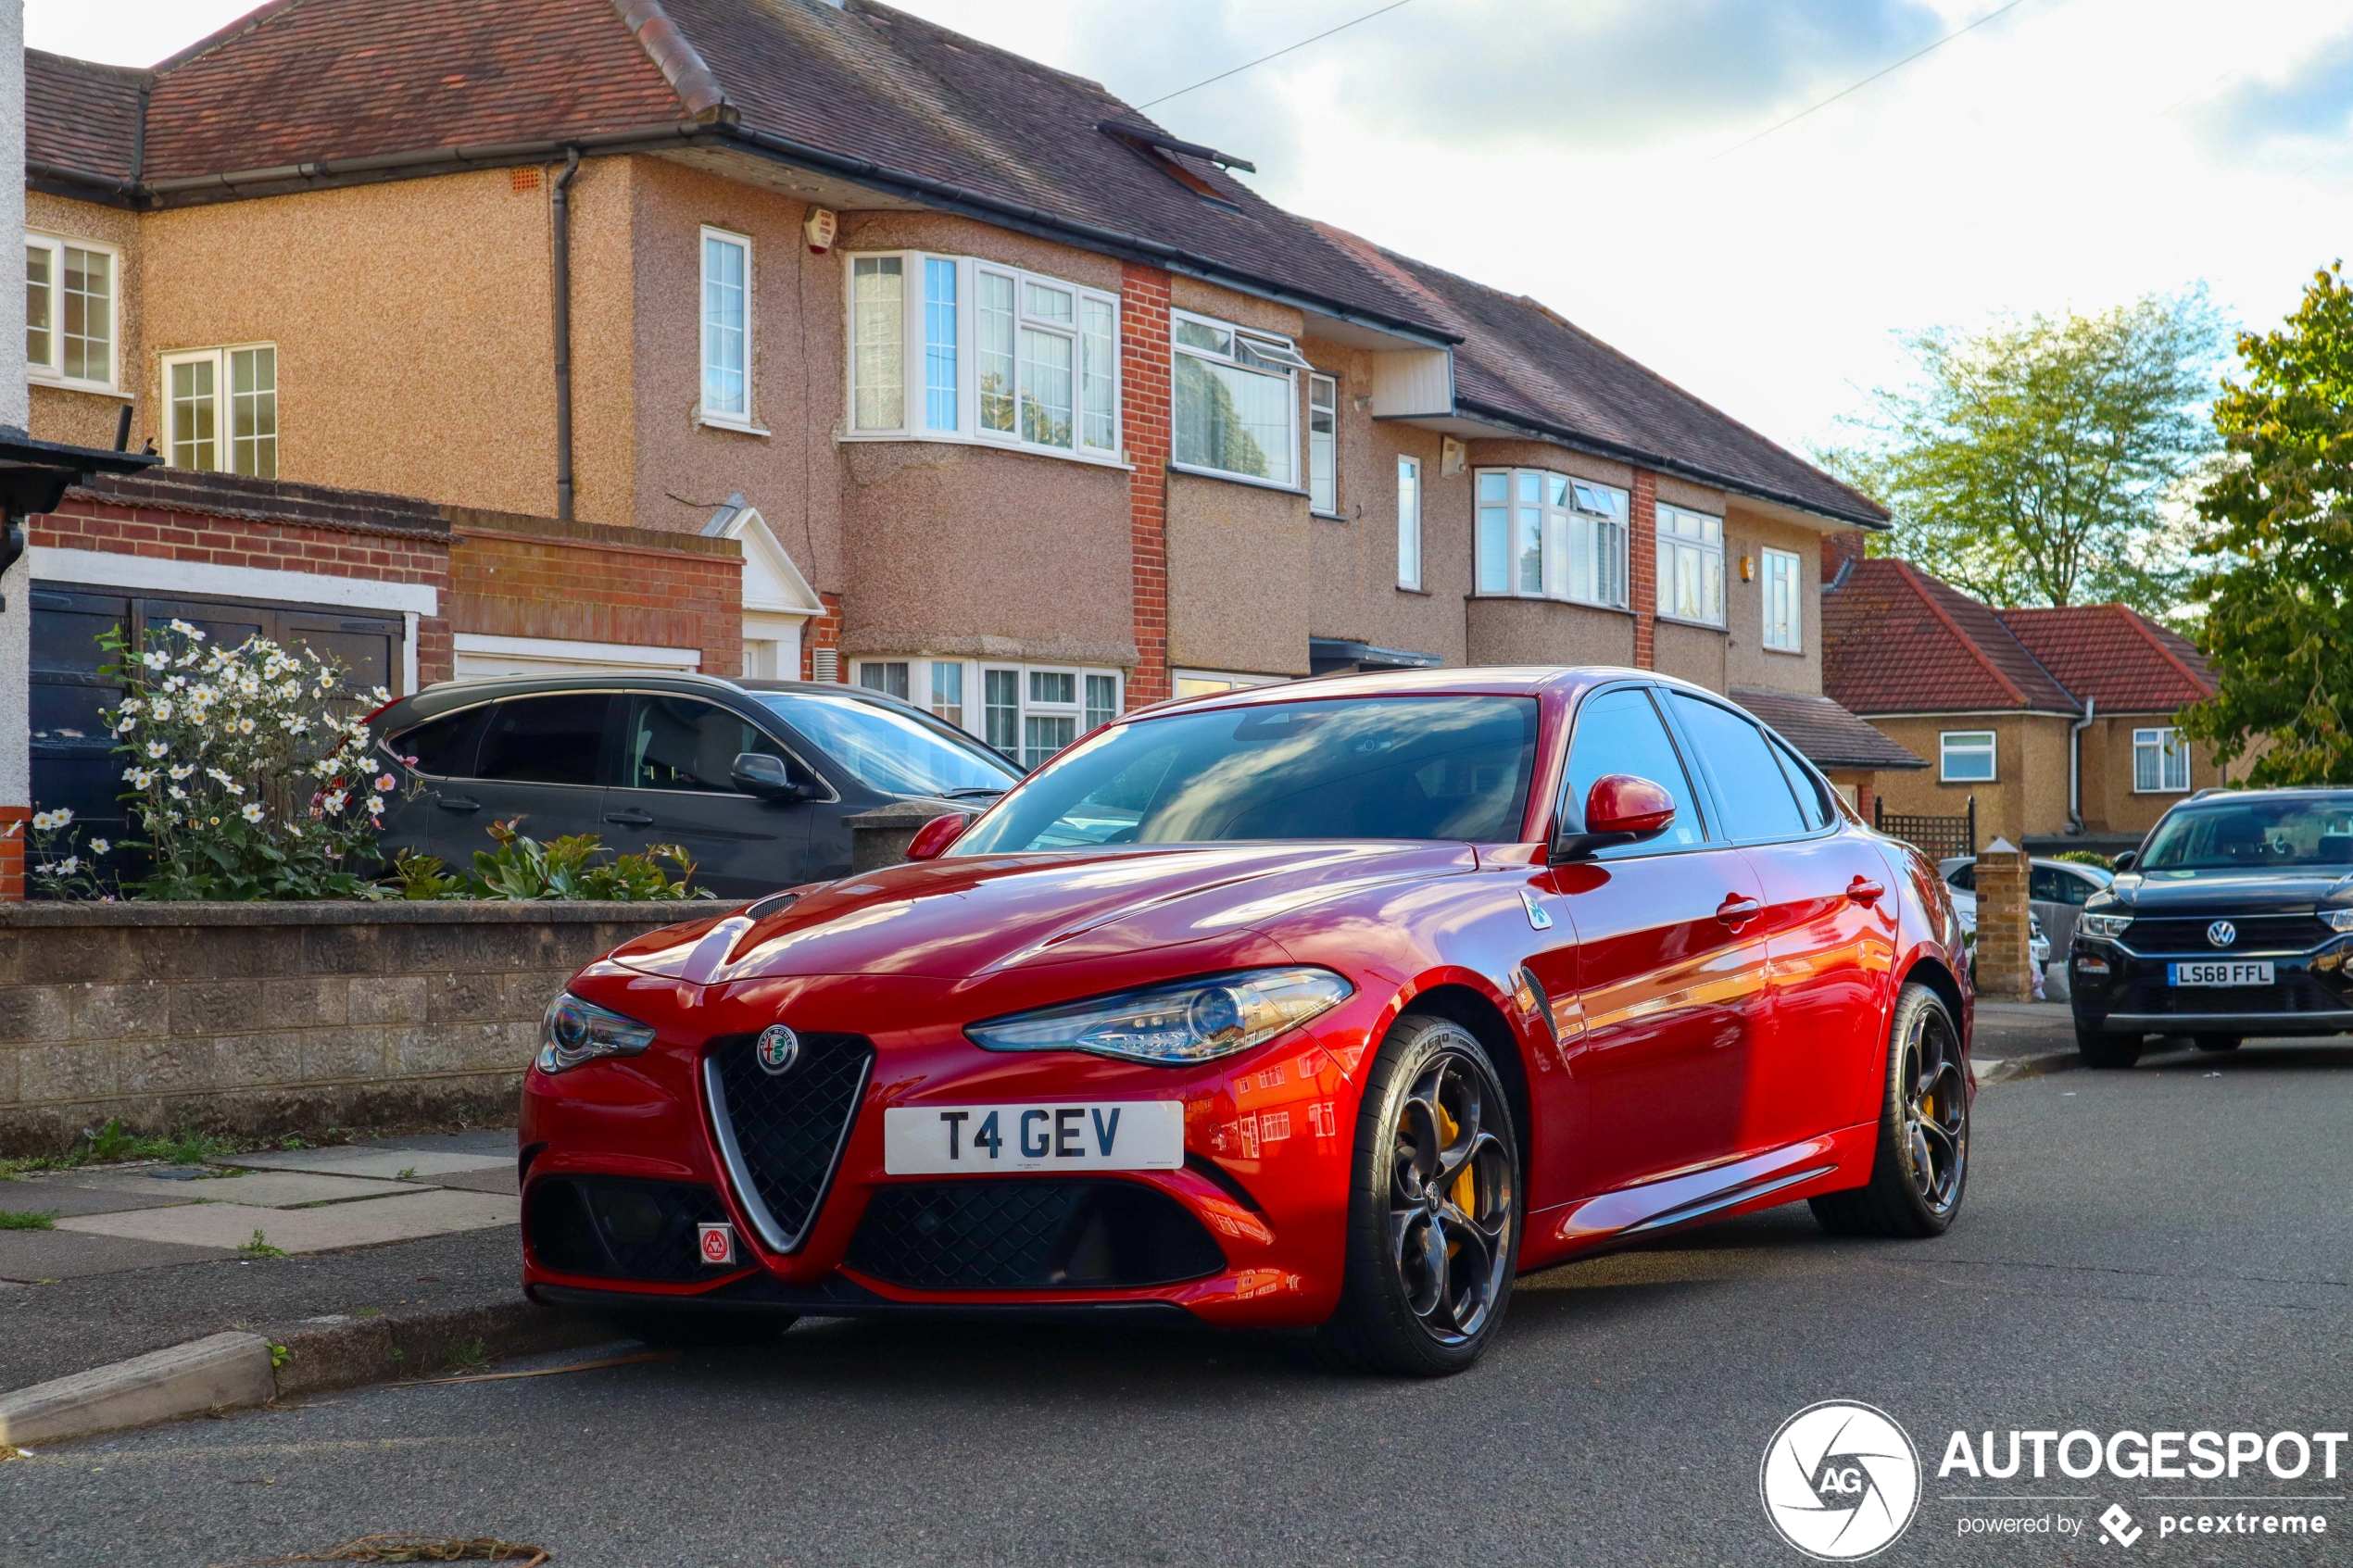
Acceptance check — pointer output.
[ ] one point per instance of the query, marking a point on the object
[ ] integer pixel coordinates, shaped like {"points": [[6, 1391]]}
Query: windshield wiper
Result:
{"points": [[960, 792]]}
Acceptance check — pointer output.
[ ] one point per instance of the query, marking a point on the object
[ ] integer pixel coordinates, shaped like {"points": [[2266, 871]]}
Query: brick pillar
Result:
{"points": [[16, 822], [2005, 967], [1642, 585], [1838, 549], [1144, 393], [1865, 794], [823, 631]]}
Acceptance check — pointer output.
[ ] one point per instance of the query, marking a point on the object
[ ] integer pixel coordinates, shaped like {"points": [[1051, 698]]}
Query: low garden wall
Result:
{"points": [[263, 1019]]}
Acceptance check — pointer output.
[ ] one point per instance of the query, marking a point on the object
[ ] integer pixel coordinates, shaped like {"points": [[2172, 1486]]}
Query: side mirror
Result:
{"points": [[2124, 862], [932, 839], [756, 773], [1620, 808]]}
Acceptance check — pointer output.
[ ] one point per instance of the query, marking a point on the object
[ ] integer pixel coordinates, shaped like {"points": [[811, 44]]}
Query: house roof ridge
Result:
{"points": [[675, 55], [1369, 254], [139, 75], [2148, 630], [269, 10]]}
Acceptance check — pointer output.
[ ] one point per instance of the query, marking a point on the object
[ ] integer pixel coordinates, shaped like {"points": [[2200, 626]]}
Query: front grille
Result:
{"points": [[615, 1227], [997, 1234], [2292, 934], [782, 1133], [2295, 992]]}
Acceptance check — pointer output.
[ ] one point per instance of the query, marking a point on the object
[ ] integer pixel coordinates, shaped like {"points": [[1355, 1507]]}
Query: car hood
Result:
{"points": [[2163, 893], [962, 918]]}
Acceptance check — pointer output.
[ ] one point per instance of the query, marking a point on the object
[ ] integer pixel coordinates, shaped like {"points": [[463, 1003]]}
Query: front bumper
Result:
{"points": [[2116, 989]]}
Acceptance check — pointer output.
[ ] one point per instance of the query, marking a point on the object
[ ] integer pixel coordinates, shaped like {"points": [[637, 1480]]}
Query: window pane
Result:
{"points": [[253, 412], [890, 677], [89, 337], [1099, 375], [1053, 685], [1966, 755], [1233, 420], [1620, 733], [1103, 699], [194, 404], [544, 739], [879, 318], [1200, 334], [39, 303], [1494, 548], [680, 743], [1045, 304], [995, 330], [443, 747], [1409, 524], [1784, 625], [1000, 693], [888, 748], [1042, 736], [1813, 804], [1529, 550], [948, 693], [1749, 785], [726, 383], [1045, 387], [1495, 486], [2177, 760], [940, 344], [1323, 442]]}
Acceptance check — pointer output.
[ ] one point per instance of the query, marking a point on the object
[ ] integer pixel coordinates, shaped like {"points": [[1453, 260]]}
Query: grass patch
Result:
{"points": [[473, 1356], [24, 1220], [259, 1248], [112, 1144]]}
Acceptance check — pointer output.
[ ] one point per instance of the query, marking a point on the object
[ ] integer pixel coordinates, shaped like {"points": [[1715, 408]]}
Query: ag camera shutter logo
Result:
{"points": [[1840, 1481]]}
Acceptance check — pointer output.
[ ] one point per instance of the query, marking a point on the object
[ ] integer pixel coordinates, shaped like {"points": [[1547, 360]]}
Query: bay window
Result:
{"points": [[220, 411], [1691, 565], [726, 328], [1005, 356], [1028, 711], [1549, 536], [1784, 606], [1236, 400], [2161, 762], [70, 290]]}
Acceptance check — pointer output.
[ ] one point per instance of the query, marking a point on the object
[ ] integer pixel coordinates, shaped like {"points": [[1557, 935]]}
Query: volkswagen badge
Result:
{"points": [[2222, 934], [778, 1048]]}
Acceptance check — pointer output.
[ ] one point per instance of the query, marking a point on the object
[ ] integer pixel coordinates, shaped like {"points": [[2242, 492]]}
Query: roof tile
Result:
{"points": [[1828, 735], [1896, 640]]}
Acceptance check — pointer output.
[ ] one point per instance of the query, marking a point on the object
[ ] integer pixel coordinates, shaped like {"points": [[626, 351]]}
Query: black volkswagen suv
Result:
{"points": [[2236, 918], [754, 778]]}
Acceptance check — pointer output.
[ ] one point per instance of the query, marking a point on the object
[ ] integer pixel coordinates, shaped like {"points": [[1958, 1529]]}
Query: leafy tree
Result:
{"points": [[2032, 463], [2279, 626]]}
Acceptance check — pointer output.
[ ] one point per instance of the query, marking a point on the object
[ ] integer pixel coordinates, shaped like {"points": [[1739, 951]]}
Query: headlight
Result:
{"points": [[2107, 925], [1186, 1021], [574, 1031], [2339, 919]]}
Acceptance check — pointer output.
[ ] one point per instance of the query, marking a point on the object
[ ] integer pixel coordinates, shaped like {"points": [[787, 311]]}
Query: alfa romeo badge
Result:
{"points": [[778, 1048]]}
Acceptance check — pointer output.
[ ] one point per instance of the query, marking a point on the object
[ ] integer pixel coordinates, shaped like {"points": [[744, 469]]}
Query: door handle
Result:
{"points": [[1863, 890], [1737, 909], [456, 803], [633, 818]]}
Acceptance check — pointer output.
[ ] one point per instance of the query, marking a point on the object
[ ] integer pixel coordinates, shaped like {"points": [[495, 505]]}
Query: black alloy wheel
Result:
{"points": [[1434, 1219], [1919, 1169]]}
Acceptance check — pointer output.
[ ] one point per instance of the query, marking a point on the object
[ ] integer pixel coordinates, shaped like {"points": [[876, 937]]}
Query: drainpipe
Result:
{"points": [[560, 195], [2075, 766]]}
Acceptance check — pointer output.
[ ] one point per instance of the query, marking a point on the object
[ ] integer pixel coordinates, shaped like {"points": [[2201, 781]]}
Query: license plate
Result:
{"points": [[979, 1139], [2237, 973]]}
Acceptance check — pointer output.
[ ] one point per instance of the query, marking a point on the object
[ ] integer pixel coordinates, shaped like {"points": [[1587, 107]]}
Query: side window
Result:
{"points": [[553, 739], [1964, 877], [1813, 801], [685, 743], [1756, 799], [444, 748], [2055, 886], [1619, 732]]}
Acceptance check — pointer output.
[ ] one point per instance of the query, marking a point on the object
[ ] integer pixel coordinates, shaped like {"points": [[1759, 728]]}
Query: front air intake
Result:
{"points": [[1000, 1235], [781, 1134]]}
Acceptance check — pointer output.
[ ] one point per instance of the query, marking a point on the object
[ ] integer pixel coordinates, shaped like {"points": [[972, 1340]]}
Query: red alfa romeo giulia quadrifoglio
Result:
{"points": [[1337, 1003]]}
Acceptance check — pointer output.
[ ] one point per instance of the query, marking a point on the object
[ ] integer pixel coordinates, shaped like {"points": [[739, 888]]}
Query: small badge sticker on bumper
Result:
{"points": [[718, 1243]]}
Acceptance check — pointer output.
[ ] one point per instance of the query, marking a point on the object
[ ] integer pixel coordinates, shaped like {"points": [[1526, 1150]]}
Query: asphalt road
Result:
{"points": [[2166, 1248]]}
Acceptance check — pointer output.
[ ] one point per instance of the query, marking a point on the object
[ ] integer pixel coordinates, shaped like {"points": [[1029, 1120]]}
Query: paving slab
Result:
{"points": [[362, 1160], [500, 1180], [306, 1230], [498, 1142], [27, 1257], [78, 1198], [263, 1189]]}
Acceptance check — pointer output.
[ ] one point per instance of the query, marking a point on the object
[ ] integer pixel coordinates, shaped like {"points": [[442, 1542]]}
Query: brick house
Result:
{"points": [[2058, 722], [1001, 397]]}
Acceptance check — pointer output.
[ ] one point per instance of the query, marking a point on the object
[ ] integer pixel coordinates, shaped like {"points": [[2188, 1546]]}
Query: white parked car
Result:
{"points": [[2056, 891]]}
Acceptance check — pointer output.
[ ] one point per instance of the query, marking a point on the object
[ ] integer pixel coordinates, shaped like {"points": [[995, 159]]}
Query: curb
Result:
{"points": [[230, 1371], [2004, 1069]]}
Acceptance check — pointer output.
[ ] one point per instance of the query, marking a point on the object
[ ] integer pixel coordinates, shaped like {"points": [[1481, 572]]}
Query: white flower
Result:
{"points": [[178, 793], [375, 805], [294, 829], [181, 770], [155, 659], [176, 683], [188, 631], [66, 867], [253, 812], [158, 750], [139, 778], [100, 846], [297, 723], [163, 709], [244, 726], [225, 781], [50, 822], [131, 704], [334, 802]]}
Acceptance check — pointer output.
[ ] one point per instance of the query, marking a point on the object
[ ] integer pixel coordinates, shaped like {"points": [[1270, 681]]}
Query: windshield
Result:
{"points": [[891, 752], [1392, 767], [2254, 836]]}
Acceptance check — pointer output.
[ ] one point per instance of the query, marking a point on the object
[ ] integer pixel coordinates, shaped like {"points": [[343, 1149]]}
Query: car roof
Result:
{"points": [[483, 687], [1949, 862], [1501, 680]]}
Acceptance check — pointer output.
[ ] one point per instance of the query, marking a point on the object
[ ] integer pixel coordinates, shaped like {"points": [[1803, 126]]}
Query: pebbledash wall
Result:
{"points": [[271, 1019]]}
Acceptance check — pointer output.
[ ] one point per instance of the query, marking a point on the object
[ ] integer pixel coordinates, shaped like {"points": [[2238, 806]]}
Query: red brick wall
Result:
{"points": [[506, 584], [1642, 547], [1144, 380], [15, 822], [1838, 549], [823, 631], [88, 520]]}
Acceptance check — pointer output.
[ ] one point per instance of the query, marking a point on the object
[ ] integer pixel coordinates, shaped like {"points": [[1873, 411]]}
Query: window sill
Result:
{"points": [[2183, 790], [739, 427], [1418, 592], [1546, 599], [941, 438], [58, 384], [1236, 479], [1966, 782], [1790, 653], [1327, 517], [1665, 619]]}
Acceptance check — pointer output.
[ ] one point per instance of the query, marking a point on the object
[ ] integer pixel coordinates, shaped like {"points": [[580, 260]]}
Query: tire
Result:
{"points": [[705, 1330], [1428, 1277], [1920, 1166], [2099, 1050], [2214, 1043]]}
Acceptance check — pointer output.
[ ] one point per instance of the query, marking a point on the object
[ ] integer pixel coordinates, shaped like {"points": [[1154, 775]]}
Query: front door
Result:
{"points": [[1670, 964], [673, 787]]}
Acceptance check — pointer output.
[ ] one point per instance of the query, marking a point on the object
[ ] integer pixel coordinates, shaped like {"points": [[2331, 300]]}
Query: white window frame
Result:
{"points": [[1323, 449], [746, 419], [924, 690], [2168, 742], [1409, 524], [1947, 748], [1268, 353], [1704, 544], [53, 373], [1790, 566], [915, 422], [224, 411], [1567, 509]]}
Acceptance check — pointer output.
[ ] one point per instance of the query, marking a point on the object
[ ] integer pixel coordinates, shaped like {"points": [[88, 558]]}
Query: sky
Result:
{"points": [[2064, 154]]}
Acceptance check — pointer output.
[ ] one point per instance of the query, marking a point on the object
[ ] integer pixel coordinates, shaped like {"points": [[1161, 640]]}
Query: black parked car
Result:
{"points": [[752, 777], [2236, 918]]}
